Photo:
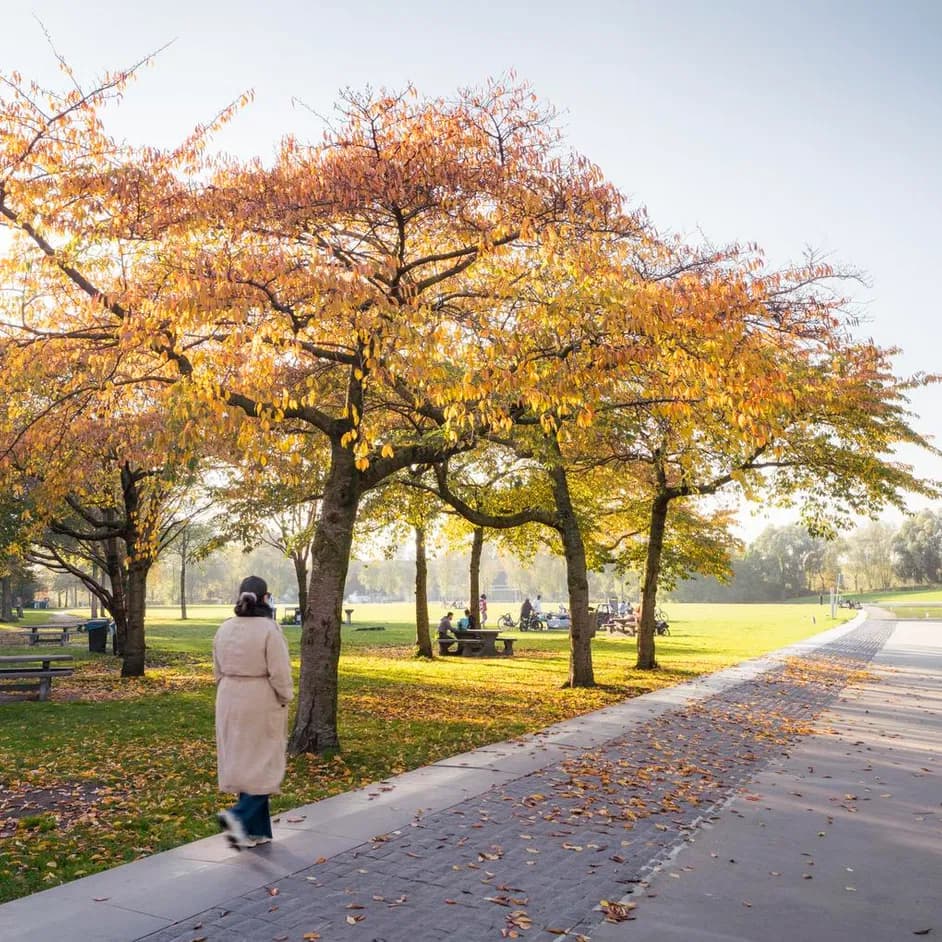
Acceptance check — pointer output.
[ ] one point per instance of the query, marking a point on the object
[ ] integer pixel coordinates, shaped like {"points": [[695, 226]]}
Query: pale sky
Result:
{"points": [[790, 124]]}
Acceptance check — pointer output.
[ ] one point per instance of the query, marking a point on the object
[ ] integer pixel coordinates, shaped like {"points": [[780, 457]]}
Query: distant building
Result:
{"points": [[499, 591]]}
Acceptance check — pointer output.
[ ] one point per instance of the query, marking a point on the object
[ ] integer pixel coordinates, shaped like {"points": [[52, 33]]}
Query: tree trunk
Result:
{"points": [[6, 599], [132, 664], [137, 565], [652, 568], [423, 637], [117, 575], [184, 552], [299, 558], [93, 600], [581, 673], [315, 727], [477, 547]]}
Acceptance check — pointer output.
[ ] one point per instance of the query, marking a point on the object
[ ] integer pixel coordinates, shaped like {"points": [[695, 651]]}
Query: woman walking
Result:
{"points": [[253, 689]]}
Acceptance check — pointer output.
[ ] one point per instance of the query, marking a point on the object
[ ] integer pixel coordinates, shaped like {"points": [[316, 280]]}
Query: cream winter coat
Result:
{"points": [[253, 689]]}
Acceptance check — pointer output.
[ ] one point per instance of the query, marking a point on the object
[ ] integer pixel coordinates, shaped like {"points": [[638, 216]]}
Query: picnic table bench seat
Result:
{"points": [[33, 672], [476, 646]]}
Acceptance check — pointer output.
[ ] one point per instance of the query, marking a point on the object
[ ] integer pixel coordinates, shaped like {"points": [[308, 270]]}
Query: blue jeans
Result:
{"points": [[252, 811]]}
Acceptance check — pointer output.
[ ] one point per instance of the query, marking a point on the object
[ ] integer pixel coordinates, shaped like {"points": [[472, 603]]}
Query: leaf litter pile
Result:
{"points": [[555, 852]]}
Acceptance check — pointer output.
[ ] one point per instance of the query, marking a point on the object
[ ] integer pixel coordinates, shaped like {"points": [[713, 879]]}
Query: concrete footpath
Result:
{"points": [[839, 839], [709, 811]]}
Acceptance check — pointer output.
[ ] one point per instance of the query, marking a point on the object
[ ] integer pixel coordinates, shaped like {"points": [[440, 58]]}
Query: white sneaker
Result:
{"points": [[259, 840], [235, 830]]}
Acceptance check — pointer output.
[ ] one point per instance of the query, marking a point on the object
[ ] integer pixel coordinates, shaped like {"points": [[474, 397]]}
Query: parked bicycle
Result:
{"points": [[661, 626], [531, 623]]}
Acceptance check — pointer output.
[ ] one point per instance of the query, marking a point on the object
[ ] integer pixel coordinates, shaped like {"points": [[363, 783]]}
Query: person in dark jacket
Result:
{"points": [[526, 610]]}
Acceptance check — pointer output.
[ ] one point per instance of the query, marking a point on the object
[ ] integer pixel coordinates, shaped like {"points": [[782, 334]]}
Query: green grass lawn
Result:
{"points": [[908, 603], [111, 769]]}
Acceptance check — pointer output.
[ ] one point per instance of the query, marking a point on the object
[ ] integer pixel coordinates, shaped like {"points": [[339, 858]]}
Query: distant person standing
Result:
{"points": [[526, 610], [538, 605], [253, 688], [482, 608], [18, 603]]}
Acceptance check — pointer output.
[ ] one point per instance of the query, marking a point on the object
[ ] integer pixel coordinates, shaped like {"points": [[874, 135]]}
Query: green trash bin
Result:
{"points": [[97, 630]]}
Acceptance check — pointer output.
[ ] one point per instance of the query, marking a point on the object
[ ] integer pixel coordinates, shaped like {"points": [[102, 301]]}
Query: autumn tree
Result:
{"points": [[759, 385], [350, 287]]}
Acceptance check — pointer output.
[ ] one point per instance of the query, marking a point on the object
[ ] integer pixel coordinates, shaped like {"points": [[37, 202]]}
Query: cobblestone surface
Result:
{"points": [[533, 858]]}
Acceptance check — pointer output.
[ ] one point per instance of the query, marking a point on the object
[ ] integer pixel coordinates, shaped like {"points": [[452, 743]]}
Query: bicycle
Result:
{"points": [[533, 623], [661, 627]]}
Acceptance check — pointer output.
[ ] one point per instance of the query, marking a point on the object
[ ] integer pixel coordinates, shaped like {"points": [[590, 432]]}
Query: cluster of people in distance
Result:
{"points": [[447, 628], [530, 609]]}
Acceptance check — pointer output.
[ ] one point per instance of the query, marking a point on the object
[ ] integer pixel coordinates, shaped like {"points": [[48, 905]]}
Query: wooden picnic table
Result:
{"points": [[478, 642], [625, 623], [36, 668], [53, 633]]}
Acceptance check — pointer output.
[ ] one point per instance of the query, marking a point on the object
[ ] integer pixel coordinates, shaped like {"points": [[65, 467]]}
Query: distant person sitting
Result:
{"points": [[446, 634], [466, 622], [445, 627]]}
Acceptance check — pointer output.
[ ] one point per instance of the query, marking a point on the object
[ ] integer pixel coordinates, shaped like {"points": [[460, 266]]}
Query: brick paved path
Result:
{"points": [[534, 858]]}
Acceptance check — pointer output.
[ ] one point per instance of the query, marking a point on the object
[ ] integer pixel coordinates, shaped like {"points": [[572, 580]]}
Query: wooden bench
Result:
{"points": [[466, 646], [475, 647], [33, 671], [49, 634]]}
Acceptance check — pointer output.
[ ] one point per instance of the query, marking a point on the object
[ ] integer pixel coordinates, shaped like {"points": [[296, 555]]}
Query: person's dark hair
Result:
{"points": [[252, 601]]}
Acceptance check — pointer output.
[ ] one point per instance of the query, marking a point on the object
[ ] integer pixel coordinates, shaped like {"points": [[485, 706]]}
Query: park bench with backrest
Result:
{"points": [[33, 672]]}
